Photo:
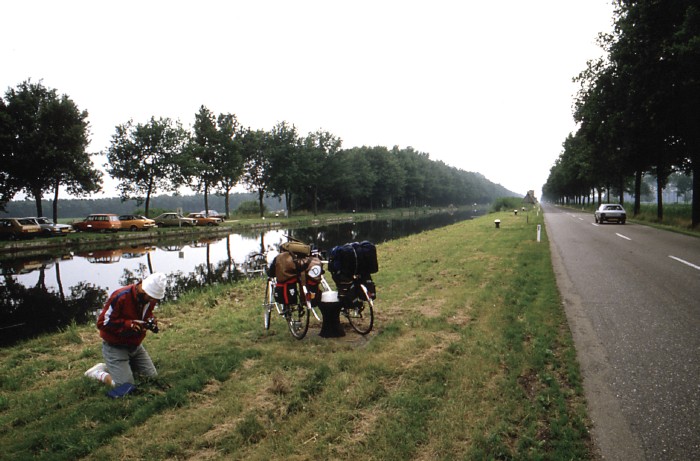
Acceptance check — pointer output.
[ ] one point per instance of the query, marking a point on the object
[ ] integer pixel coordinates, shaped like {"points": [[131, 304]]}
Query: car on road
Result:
{"points": [[134, 222], [50, 228], [203, 220], [610, 212], [174, 219], [19, 228], [99, 222]]}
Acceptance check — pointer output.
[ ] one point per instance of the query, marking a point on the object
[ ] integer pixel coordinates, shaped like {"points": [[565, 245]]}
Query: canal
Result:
{"points": [[45, 292]]}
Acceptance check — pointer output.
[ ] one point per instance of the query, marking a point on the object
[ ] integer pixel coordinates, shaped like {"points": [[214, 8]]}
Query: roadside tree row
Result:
{"points": [[44, 136], [637, 108]]}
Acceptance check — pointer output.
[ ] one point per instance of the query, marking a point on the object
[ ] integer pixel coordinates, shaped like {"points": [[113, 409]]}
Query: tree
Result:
{"points": [[229, 156], [44, 145], [146, 158], [201, 166], [257, 175], [286, 162], [317, 148]]}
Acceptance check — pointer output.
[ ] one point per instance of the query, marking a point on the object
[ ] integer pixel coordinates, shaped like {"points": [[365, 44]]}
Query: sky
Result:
{"points": [[484, 86]]}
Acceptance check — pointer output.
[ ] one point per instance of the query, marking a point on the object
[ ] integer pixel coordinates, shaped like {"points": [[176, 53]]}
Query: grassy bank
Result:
{"points": [[470, 358]]}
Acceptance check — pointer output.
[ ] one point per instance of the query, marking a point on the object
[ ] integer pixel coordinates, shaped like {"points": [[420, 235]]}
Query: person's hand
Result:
{"points": [[136, 326]]}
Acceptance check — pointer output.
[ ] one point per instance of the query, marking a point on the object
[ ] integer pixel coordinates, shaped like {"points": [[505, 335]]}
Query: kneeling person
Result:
{"points": [[122, 325]]}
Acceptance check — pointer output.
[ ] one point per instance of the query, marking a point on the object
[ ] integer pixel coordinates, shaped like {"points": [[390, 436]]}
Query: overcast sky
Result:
{"points": [[484, 86]]}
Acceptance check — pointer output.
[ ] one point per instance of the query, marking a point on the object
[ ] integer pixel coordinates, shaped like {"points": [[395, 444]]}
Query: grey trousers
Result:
{"points": [[124, 361]]}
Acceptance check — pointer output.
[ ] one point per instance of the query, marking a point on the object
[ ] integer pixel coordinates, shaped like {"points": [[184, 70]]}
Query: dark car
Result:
{"points": [[610, 212]]}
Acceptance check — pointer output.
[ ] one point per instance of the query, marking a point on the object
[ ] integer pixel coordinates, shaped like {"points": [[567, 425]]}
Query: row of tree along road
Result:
{"points": [[44, 137], [637, 108]]}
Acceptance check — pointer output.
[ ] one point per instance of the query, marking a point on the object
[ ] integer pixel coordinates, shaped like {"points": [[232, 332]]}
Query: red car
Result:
{"points": [[99, 223]]}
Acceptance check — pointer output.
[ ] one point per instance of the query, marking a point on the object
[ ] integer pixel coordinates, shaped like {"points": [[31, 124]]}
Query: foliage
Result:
{"points": [[506, 204], [43, 137], [248, 208], [212, 159], [79, 208], [637, 107], [146, 158]]}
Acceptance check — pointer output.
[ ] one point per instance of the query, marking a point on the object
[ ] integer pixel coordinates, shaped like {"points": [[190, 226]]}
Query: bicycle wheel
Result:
{"points": [[361, 313], [297, 316], [268, 304]]}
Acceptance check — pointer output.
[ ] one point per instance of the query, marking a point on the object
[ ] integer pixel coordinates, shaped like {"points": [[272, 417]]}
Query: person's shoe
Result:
{"points": [[95, 371]]}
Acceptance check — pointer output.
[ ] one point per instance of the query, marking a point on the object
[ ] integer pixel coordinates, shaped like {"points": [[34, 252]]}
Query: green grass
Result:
{"points": [[470, 358]]}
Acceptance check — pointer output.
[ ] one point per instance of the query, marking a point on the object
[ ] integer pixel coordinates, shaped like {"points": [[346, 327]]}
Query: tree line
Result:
{"points": [[44, 136], [243, 202], [637, 108]]}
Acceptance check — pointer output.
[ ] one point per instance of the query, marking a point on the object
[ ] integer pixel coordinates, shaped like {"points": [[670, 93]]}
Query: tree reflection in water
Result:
{"points": [[30, 311]]}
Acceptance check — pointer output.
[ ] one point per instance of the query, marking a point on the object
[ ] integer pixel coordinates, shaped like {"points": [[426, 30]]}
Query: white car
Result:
{"points": [[48, 227], [610, 212]]}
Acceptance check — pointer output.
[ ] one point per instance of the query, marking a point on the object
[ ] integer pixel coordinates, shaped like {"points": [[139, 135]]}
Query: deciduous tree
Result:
{"points": [[147, 158]]}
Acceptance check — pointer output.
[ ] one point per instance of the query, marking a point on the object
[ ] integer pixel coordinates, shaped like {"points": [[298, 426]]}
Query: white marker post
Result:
{"points": [[539, 232]]}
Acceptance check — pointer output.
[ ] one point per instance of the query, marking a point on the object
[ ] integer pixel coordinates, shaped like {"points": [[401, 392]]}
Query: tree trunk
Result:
{"points": [[659, 199], [288, 202], [637, 192], [695, 207], [55, 203], [37, 199], [206, 197], [226, 202], [261, 194], [148, 196]]}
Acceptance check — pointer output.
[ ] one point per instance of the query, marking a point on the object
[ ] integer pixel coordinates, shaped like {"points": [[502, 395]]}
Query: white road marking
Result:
{"points": [[595, 224], [622, 236], [685, 262], [580, 219]]}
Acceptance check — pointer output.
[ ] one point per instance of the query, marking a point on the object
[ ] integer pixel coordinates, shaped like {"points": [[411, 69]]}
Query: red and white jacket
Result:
{"points": [[117, 315]]}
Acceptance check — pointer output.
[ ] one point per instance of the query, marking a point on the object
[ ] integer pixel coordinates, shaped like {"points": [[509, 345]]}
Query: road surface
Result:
{"points": [[632, 299]]}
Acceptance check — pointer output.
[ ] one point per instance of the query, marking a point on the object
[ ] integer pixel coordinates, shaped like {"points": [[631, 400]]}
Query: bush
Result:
{"points": [[250, 208], [507, 204]]}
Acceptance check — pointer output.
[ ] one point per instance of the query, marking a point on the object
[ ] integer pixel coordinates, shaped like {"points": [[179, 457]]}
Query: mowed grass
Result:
{"points": [[470, 358]]}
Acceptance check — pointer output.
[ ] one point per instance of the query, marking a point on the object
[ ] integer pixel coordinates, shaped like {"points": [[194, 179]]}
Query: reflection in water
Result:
{"points": [[31, 302], [29, 311]]}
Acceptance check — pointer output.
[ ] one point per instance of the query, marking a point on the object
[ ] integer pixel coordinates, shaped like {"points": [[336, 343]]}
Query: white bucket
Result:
{"points": [[329, 297]]}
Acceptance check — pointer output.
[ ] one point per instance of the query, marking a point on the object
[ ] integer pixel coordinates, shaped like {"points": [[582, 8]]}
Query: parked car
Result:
{"points": [[203, 220], [174, 219], [213, 214], [99, 223], [19, 228], [610, 212], [48, 227], [134, 222]]}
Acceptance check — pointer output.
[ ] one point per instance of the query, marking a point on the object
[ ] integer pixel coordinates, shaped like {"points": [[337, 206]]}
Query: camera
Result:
{"points": [[151, 324]]}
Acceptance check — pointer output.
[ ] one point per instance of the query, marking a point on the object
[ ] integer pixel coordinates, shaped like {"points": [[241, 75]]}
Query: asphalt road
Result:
{"points": [[632, 299]]}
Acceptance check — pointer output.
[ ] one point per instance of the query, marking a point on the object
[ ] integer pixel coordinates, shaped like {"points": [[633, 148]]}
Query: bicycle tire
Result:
{"points": [[297, 316], [268, 304], [361, 314]]}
